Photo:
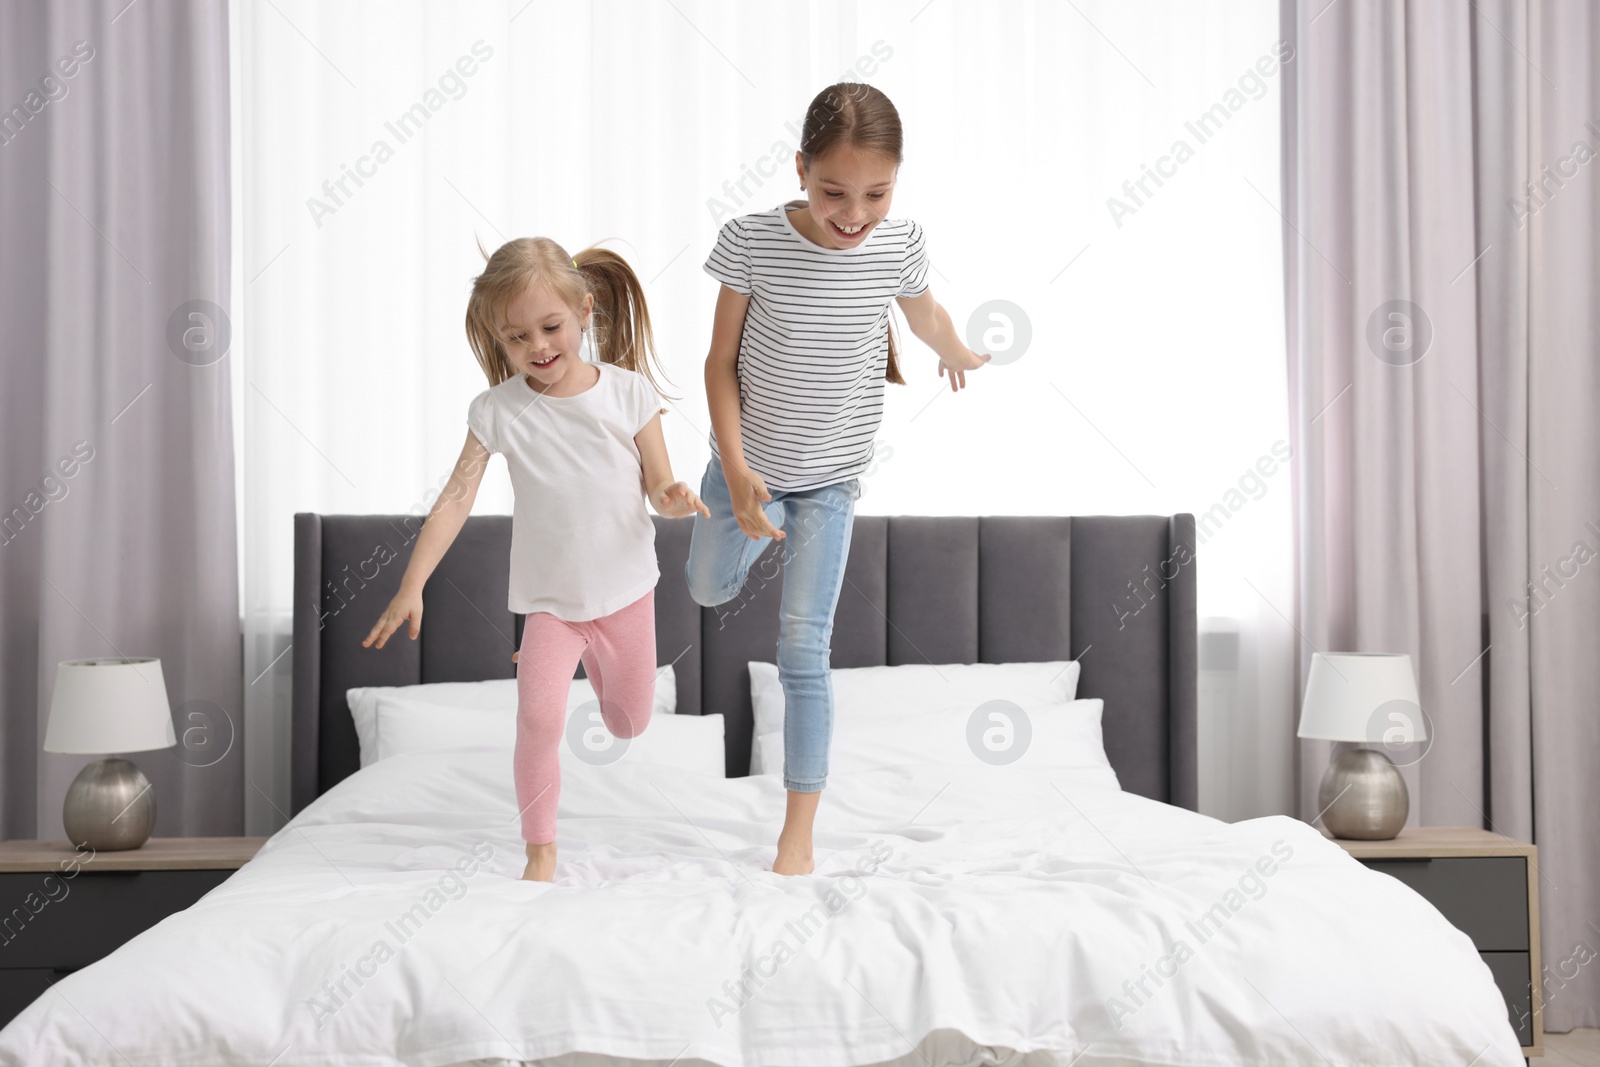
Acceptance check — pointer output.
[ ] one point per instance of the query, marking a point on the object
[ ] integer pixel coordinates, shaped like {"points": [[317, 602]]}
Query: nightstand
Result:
{"points": [[1487, 886], [66, 907]]}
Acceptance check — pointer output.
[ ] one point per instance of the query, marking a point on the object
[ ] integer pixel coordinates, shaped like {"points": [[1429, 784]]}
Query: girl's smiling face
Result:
{"points": [[542, 335], [848, 191]]}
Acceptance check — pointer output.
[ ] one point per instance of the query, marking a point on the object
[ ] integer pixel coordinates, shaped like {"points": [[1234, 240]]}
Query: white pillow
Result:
{"points": [[496, 694], [687, 742], [1057, 736], [914, 689]]}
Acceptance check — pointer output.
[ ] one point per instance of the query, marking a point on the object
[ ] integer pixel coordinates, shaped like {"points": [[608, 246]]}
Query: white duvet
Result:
{"points": [[991, 915]]}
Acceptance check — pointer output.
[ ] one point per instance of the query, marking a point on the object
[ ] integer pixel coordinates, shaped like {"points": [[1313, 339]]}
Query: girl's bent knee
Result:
{"points": [[705, 592], [625, 725]]}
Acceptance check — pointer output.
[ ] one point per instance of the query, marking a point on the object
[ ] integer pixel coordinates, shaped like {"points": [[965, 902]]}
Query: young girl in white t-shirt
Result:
{"points": [[584, 447]]}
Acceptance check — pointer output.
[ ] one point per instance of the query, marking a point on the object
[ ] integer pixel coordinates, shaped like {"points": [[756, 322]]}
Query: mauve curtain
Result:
{"points": [[116, 484], [1448, 461]]}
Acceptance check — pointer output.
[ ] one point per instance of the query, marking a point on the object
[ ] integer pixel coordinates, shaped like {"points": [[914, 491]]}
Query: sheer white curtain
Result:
{"points": [[375, 142]]}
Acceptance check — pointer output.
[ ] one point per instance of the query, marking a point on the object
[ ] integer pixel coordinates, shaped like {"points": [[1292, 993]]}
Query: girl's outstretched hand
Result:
{"points": [[749, 492], [677, 501], [958, 367], [405, 607]]}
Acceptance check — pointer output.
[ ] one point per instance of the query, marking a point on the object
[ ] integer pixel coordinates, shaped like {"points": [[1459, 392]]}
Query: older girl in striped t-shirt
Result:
{"points": [[800, 349]]}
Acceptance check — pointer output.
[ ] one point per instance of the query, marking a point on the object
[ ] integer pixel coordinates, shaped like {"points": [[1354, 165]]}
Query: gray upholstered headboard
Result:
{"points": [[1116, 592]]}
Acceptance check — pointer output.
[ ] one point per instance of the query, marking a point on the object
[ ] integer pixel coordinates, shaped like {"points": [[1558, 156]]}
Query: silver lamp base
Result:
{"points": [[1363, 797], [110, 806]]}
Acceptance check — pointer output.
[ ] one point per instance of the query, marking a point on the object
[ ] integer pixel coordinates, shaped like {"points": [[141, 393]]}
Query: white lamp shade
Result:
{"points": [[1345, 691], [109, 705]]}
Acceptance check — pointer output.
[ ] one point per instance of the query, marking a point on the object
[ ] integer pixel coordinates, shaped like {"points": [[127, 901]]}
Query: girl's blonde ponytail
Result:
{"points": [[622, 319]]}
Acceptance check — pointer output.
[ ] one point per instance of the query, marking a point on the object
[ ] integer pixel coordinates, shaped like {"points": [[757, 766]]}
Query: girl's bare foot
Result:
{"points": [[541, 863], [793, 857], [794, 843]]}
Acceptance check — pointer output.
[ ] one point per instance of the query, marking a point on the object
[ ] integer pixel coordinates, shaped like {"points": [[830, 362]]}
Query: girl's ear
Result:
{"points": [[587, 318], [800, 170]]}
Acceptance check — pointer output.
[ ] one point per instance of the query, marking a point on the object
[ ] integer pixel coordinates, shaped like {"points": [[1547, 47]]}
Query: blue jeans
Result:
{"points": [[816, 525]]}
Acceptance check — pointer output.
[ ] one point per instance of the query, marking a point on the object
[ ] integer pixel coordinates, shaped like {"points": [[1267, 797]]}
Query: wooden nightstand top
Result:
{"points": [[156, 854], [1431, 841]]}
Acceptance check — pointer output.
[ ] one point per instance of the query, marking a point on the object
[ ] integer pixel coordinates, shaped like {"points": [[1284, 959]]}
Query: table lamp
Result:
{"points": [[1368, 698], [109, 705]]}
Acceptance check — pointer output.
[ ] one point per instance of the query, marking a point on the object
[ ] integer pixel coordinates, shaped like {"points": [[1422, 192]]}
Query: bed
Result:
{"points": [[958, 914]]}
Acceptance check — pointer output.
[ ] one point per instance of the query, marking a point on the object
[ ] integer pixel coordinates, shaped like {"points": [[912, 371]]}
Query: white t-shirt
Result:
{"points": [[815, 343], [582, 542]]}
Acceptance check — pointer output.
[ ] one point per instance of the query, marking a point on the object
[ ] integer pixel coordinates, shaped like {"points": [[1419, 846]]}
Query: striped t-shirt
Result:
{"points": [[816, 341]]}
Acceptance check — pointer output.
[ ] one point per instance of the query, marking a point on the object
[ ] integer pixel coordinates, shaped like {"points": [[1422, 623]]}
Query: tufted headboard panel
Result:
{"points": [[1116, 592]]}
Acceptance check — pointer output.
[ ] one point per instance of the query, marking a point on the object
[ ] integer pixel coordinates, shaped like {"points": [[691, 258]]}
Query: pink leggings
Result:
{"points": [[619, 656]]}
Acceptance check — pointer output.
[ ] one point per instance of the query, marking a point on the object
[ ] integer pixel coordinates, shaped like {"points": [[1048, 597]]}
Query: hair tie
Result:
{"points": [[574, 264]]}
